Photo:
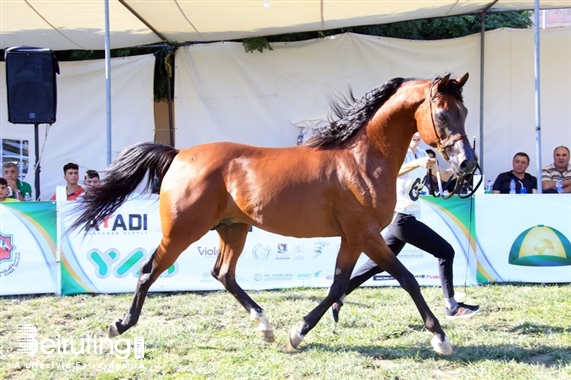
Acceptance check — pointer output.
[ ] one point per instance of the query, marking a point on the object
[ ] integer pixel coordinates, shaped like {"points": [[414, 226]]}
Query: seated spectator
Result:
{"points": [[17, 189], [4, 191], [71, 176], [558, 169], [523, 179], [91, 179]]}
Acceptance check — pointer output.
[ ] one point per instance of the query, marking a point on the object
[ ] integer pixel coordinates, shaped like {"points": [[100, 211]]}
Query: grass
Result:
{"points": [[522, 332]]}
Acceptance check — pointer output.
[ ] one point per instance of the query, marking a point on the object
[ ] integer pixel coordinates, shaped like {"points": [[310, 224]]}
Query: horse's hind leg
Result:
{"points": [[232, 240], [381, 254], [159, 261]]}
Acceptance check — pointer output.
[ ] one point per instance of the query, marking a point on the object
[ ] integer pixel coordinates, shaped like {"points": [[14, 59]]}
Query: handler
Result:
{"points": [[406, 228]]}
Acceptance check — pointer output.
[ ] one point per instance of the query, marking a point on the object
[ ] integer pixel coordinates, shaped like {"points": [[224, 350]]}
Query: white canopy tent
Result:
{"points": [[71, 24]]}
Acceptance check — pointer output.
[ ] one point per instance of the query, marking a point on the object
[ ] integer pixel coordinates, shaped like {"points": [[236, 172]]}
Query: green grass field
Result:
{"points": [[522, 332]]}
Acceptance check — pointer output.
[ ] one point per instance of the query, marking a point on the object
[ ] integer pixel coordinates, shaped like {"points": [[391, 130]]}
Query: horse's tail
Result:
{"points": [[121, 179]]}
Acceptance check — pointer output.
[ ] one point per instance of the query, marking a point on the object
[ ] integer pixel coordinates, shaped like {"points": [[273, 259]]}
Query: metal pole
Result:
{"points": [[37, 165], [537, 99], [108, 81], [482, 61]]}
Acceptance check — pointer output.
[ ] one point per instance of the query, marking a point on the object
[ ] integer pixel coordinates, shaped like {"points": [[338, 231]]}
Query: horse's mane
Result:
{"points": [[351, 114]]}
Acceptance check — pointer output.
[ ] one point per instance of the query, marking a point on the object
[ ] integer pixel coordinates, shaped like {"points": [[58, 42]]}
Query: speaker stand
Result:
{"points": [[37, 169]]}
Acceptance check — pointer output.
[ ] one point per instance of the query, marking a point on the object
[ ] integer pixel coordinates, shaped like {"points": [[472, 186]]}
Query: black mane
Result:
{"points": [[351, 114]]}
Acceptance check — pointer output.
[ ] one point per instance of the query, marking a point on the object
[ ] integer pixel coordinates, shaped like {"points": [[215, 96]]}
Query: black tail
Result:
{"points": [[121, 179]]}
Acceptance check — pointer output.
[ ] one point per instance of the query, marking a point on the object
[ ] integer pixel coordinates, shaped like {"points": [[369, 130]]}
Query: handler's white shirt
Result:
{"points": [[410, 185]]}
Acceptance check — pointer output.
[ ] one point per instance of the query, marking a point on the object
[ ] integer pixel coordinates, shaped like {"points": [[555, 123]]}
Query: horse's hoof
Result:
{"points": [[442, 348], [113, 329], [294, 340], [266, 335]]}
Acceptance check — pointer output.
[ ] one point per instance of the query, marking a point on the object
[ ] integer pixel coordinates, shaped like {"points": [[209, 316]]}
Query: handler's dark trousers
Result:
{"points": [[407, 229]]}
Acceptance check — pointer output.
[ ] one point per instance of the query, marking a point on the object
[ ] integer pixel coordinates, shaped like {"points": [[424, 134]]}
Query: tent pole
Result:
{"points": [[482, 64], [537, 99], [107, 82]]}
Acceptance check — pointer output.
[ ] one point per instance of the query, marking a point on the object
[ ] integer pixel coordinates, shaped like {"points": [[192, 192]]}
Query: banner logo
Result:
{"points": [[127, 224], [540, 246], [261, 252], [110, 263], [9, 257]]}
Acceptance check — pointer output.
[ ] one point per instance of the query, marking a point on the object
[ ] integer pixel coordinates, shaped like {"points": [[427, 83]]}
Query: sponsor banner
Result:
{"points": [[451, 219], [524, 239], [28, 248], [107, 259]]}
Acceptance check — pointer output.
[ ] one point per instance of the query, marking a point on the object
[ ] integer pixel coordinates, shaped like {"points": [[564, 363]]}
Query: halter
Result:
{"points": [[450, 140], [443, 144]]}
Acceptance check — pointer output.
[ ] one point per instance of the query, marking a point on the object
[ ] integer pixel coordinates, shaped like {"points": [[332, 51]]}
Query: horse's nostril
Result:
{"points": [[467, 166]]}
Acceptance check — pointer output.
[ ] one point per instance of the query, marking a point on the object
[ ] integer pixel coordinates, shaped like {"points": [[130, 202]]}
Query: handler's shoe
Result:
{"points": [[335, 308], [462, 311]]}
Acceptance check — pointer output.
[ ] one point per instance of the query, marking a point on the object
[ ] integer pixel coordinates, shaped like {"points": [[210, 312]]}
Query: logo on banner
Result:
{"points": [[282, 252], [9, 257], [540, 246], [261, 252], [318, 248], [129, 224], [208, 252], [110, 263]]}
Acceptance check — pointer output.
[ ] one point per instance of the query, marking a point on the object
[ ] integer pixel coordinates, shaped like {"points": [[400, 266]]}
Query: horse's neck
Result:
{"points": [[389, 132]]}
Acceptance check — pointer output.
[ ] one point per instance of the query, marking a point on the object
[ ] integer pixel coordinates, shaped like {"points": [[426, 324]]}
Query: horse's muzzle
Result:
{"points": [[463, 158]]}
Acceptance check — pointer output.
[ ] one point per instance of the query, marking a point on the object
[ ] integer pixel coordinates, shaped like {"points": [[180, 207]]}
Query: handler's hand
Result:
{"points": [[426, 162]]}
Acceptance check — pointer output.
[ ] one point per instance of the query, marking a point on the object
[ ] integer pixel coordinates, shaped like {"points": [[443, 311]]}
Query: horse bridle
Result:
{"points": [[450, 140], [443, 144]]}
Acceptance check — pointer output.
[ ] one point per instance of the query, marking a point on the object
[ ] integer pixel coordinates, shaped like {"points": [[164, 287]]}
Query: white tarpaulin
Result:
{"points": [[79, 134], [224, 93]]}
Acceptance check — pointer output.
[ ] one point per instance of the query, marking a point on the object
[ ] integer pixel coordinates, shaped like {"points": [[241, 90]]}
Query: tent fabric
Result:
{"points": [[70, 24], [274, 98], [79, 134]]}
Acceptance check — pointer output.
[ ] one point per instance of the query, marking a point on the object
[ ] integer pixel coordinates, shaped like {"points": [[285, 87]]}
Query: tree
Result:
{"points": [[426, 29]]}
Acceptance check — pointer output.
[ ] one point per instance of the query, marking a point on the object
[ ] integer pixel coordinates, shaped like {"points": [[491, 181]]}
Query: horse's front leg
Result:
{"points": [[380, 253], [346, 259], [232, 240]]}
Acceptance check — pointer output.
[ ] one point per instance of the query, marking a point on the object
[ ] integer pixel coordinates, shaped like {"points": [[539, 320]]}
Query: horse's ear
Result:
{"points": [[462, 81], [443, 83]]}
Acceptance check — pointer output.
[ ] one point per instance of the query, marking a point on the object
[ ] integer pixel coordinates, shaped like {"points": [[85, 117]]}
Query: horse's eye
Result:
{"points": [[442, 117]]}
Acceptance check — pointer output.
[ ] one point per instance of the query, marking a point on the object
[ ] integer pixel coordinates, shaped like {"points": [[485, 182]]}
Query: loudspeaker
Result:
{"points": [[31, 85]]}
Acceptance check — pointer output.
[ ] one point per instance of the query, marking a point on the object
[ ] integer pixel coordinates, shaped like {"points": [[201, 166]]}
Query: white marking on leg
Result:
{"points": [[264, 328], [337, 271]]}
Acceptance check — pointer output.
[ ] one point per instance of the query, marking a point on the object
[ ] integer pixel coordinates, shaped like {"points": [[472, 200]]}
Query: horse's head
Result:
{"points": [[440, 122]]}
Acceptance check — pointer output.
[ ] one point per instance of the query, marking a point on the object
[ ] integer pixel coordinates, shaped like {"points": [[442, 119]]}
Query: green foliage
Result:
{"points": [[256, 43], [164, 75], [427, 29]]}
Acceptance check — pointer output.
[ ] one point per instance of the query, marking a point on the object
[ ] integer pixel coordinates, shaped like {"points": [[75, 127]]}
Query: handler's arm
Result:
{"points": [[425, 162]]}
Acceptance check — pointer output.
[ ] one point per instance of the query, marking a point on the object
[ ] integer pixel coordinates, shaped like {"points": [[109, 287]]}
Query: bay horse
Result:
{"points": [[340, 183]]}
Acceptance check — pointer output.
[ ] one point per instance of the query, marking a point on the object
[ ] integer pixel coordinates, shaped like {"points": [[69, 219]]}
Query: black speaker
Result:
{"points": [[31, 85]]}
